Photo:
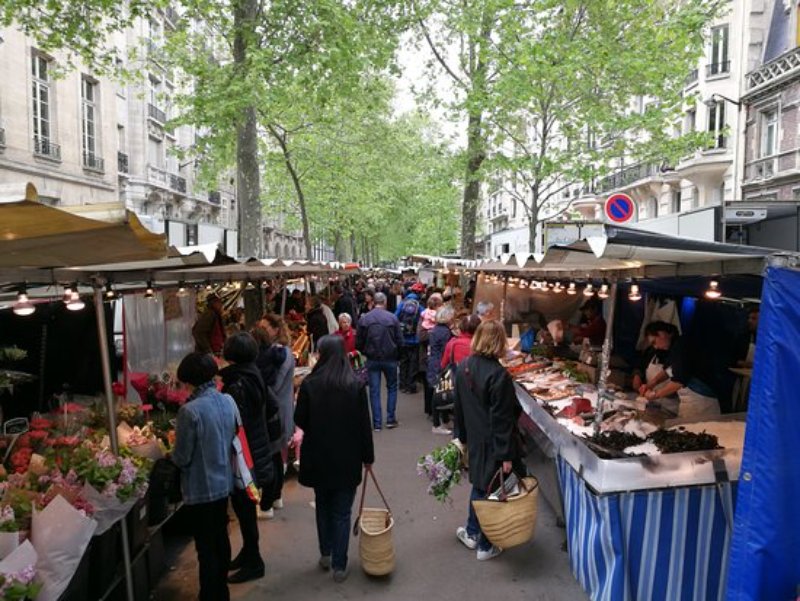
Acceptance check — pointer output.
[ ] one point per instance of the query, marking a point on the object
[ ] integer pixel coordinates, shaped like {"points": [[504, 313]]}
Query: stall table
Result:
{"points": [[639, 528]]}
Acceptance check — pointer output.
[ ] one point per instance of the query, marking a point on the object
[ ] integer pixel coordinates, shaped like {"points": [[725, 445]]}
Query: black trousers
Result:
{"points": [[409, 367], [210, 530], [245, 511], [274, 492]]}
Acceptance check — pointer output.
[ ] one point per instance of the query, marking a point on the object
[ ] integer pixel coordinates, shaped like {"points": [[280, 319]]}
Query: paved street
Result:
{"points": [[430, 561]]}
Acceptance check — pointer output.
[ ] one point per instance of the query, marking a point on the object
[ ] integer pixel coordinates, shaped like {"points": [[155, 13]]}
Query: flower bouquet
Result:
{"points": [[19, 585], [442, 468]]}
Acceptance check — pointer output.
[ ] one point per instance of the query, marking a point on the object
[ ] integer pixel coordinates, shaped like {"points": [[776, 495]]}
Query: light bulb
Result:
{"points": [[149, 292], [635, 294], [713, 291], [209, 286], [75, 302], [572, 289], [182, 291], [23, 307], [603, 292], [589, 290], [557, 288], [67, 294]]}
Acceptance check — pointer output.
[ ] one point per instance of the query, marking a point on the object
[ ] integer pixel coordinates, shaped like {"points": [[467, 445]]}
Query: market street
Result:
{"points": [[430, 560]]}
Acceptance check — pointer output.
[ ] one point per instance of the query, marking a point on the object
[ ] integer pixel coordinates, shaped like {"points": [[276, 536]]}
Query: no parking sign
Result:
{"points": [[620, 208]]}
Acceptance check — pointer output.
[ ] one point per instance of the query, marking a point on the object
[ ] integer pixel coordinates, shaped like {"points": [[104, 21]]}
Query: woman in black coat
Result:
{"points": [[242, 380], [333, 412], [486, 411], [437, 340]]}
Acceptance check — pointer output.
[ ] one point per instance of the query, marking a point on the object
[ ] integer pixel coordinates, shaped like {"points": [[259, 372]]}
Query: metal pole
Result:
{"points": [[283, 300], [112, 423], [605, 356]]}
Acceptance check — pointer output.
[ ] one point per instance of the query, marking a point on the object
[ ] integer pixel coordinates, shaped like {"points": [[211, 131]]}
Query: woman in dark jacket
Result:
{"points": [[316, 322], [333, 412], [486, 411], [242, 380], [439, 336]]}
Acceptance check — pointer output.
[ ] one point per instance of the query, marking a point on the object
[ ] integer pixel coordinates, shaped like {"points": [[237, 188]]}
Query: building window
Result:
{"points": [[691, 120], [155, 153], [89, 123], [676, 201], [191, 234], [769, 132], [716, 124], [718, 61], [42, 101]]}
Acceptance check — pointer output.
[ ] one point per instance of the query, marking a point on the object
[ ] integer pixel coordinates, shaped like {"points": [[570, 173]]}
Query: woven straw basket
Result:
{"points": [[511, 522], [375, 546]]}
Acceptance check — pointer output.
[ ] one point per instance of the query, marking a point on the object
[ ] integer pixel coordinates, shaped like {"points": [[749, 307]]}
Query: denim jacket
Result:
{"points": [[204, 432]]}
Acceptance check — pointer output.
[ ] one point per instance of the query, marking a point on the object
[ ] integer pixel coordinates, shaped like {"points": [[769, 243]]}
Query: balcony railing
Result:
{"points": [[628, 175], [171, 14], [215, 198], [762, 169], [178, 183], [45, 148], [786, 66], [691, 78], [92, 161], [122, 162], [156, 113], [718, 68]]}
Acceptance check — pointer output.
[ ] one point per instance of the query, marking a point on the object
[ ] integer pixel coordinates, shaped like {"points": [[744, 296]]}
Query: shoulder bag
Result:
{"points": [[243, 460], [445, 391]]}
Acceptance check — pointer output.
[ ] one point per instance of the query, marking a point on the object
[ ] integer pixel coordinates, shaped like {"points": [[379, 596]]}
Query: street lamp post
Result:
{"points": [[710, 103]]}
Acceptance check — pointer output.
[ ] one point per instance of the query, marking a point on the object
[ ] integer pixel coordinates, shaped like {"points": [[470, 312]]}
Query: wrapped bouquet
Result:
{"points": [[442, 467]]}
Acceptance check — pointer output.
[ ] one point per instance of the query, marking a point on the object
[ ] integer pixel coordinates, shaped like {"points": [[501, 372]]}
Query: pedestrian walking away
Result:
{"points": [[332, 411], [378, 337], [487, 412], [409, 313]]}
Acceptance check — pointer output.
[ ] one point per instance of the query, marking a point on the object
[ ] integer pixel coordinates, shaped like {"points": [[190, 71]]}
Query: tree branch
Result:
{"points": [[439, 57]]}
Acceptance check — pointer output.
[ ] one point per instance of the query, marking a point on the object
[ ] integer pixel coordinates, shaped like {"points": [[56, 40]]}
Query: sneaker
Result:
{"points": [[390, 425], [468, 541], [265, 515], [441, 430], [490, 553], [325, 562], [277, 504], [339, 575], [377, 428]]}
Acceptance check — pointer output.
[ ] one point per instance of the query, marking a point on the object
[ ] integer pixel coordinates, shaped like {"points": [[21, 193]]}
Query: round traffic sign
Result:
{"points": [[620, 208]]}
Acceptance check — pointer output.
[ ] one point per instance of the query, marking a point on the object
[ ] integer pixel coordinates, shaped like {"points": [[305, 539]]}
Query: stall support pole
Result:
{"points": [[605, 356], [283, 300], [112, 423]]}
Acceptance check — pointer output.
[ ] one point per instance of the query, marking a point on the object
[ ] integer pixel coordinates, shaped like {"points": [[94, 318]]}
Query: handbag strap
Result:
{"points": [[368, 470]]}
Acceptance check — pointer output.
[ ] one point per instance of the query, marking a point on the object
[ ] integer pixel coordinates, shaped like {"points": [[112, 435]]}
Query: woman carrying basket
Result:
{"points": [[333, 412], [486, 413]]}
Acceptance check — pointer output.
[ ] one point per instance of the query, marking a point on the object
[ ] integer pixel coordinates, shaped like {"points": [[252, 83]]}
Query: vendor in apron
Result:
{"points": [[650, 373], [696, 399]]}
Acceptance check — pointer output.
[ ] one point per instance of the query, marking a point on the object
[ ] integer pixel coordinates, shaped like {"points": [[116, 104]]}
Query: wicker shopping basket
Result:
{"points": [[510, 520], [374, 525]]}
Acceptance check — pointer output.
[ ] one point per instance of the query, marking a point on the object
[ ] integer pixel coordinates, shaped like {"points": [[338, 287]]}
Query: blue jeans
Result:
{"points": [[374, 371], [333, 523], [473, 527]]}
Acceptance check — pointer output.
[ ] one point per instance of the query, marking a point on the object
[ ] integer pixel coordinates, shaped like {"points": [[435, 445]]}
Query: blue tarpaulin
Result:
{"points": [[765, 551]]}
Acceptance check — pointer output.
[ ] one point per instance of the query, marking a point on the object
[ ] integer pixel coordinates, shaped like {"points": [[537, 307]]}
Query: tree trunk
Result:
{"points": [[248, 176], [472, 187], [298, 187]]}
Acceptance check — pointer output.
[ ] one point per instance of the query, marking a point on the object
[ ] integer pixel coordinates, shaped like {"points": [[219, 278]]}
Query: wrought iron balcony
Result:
{"points": [[92, 161], [720, 68], [156, 114], [215, 198], [177, 183], [628, 175], [691, 78], [122, 162], [43, 147]]}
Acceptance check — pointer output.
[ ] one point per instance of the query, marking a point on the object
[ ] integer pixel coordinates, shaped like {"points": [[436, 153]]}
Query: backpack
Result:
{"points": [[409, 317]]}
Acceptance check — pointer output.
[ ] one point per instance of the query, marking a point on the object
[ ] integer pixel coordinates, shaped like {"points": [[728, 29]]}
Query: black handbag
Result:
{"points": [[444, 393]]}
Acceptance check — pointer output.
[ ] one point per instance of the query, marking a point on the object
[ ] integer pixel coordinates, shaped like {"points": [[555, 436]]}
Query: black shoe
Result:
{"points": [[392, 424], [237, 563], [246, 574]]}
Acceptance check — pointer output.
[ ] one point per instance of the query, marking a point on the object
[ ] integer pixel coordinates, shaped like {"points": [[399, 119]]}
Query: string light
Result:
{"points": [[67, 294], [713, 291], [572, 290], [110, 293], [149, 293], [182, 291], [589, 290], [557, 288], [635, 294], [74, 303], [23, 307], [603, 292]]}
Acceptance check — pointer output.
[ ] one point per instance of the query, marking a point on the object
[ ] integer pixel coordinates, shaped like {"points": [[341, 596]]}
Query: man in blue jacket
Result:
{"points": [[409, 312], [379, 337]]}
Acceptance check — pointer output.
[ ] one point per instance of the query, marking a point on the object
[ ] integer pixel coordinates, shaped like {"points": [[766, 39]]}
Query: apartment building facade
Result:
{"points": [[728, 189], [90, 141]]}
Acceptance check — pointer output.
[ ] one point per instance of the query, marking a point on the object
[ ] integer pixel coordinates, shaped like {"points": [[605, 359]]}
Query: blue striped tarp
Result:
{"points": [[655, 545]]}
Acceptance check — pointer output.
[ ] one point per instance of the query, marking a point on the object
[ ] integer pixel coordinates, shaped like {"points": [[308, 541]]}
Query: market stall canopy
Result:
{"points": [[33, 234], [252, 269], [417, 260], [636, 253]]}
